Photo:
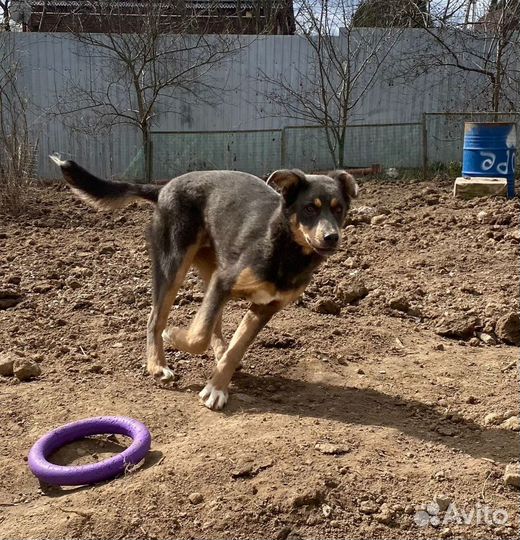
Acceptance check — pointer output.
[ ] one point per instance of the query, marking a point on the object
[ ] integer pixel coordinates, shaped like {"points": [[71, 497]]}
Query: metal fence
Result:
{"points": [[262, 151], [435, 142]]}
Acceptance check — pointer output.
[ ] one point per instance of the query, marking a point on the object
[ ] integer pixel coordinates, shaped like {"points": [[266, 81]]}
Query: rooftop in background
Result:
{"points": [[192, 16]]}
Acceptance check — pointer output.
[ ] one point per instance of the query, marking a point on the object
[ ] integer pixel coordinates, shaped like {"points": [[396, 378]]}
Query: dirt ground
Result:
{"points": [[339, 426]]}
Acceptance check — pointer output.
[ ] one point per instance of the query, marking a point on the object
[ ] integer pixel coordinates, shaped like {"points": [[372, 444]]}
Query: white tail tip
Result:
{"points": [[57, 159]]}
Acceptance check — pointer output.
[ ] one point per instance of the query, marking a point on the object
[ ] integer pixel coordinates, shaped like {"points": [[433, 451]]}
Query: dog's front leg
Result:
{"points": [[215, 394]]}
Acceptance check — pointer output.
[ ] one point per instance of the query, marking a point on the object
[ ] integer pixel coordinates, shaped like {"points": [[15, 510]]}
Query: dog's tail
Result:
{"points": [[103, 194]]}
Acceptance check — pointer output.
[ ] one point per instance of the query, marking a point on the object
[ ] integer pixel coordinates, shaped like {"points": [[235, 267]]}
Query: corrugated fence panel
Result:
{"points": [[236, 98], [256, 152]]}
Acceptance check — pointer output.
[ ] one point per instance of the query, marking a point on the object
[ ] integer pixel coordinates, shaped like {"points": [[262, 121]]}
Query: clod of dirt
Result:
{"points": [[443, 501], [6, 365], [310, 497], [327, 306], [196, 498], [107, 249], [368, 507], [512, 423], [349, 291], [512, 475], [14, 279], [25, 369], [457, 325], [363, 214], [494, 419], [331, 449], [400, 303], [385, 515], [248, 468], [9, 298], [508, 328]]}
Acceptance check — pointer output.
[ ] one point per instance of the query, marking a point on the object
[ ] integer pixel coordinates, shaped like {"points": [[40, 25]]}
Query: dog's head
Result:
{"points": [[317, 205]]}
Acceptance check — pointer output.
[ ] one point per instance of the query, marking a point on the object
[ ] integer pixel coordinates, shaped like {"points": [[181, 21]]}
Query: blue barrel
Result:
{"points": [[490, 151]]}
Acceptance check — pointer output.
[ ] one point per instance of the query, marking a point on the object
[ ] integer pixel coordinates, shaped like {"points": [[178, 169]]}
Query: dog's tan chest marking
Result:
{"points": [[250, 286]]}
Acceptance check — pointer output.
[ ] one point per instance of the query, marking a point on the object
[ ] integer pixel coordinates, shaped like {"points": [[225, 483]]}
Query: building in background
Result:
{"points": [[204, 16]]}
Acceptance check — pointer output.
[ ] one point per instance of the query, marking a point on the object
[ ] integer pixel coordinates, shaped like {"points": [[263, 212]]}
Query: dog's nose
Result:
{"points": [[331, 239]]}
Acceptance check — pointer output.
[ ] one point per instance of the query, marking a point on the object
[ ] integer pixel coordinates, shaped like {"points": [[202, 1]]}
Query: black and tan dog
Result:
{"points": [[247, 238]]}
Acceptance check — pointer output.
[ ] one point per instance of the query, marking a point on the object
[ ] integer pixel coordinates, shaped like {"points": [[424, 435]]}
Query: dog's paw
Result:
{"points": [[167, 375], [213, 398], [163, 375]]}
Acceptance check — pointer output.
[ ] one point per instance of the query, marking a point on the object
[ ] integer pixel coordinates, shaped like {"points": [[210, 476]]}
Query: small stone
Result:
{"points": [[445, 533], [196, 498], [73, 284], [25, 369], [14, 280], [360, 371], [326, 510], [474, 342], [368, 507], [327, 306], [494, 419], [439, 347], [331, 449], [508, 328], [377, 220], [400, 303], [484, 217], [512, 475], [486, 338], [472, 400], [443, 501], [512, 423], [6, 365]]}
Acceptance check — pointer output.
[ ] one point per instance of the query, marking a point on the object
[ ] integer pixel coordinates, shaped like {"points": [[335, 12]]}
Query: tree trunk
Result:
{"points": [[147, 152]]}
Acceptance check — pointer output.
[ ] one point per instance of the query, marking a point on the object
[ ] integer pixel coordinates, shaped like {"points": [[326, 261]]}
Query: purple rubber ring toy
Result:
{"points": [[97, 472]]}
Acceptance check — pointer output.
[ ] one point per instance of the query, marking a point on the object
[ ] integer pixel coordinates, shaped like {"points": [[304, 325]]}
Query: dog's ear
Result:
{"points": [[347, 183], [287, 182]]}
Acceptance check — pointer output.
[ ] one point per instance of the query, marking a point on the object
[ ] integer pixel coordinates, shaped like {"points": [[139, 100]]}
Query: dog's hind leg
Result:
{"points": [[215, 394], [169, 269], [197, 337]]}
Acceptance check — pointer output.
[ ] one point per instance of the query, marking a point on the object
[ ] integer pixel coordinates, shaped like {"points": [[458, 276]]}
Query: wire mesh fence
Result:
{"points": [[437, 140]]}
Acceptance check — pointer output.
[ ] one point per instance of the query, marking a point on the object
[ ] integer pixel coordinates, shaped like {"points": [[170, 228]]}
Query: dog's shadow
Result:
{"points": [[352, 405], [91, 446]]}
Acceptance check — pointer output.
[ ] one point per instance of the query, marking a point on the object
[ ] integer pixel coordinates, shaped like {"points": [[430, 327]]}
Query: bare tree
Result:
{"points": [[16, 151], [342, 65], [480, 43], [143, 64], [4, 10]]}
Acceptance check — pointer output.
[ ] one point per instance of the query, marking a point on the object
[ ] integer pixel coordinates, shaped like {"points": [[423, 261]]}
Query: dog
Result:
{"points": [[248, 238]]}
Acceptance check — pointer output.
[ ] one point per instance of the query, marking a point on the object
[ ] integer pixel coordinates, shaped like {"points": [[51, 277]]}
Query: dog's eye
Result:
{"points": [[310, 209]]}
